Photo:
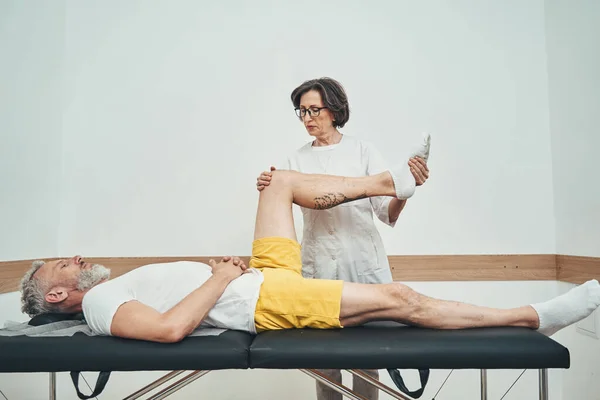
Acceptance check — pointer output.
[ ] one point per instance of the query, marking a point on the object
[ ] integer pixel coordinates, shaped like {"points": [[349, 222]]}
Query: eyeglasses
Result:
{"points": [[312, 111]]}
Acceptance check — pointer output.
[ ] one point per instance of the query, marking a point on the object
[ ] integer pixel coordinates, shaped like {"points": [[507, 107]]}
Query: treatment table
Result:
{"points": [[375, 346]]}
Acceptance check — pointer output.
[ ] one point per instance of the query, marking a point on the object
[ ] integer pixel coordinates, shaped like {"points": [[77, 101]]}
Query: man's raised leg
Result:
{"points": [[320, 192], [397, 302], [274, 215]]}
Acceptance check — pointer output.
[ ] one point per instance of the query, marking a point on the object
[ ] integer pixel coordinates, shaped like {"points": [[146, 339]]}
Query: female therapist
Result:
{"points": [[341, 242]]}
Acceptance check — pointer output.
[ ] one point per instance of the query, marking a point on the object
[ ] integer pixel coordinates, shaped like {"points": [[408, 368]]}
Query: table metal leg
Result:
{"points": [[52, 386], [483, 379], [543, 381]]}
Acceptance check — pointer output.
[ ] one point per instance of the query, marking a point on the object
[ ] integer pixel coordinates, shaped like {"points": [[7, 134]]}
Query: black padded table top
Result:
{"points": [[101, 353], [378, 346], [394, 346]]}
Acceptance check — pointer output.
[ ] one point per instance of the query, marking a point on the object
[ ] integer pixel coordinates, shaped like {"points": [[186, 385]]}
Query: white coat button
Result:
{"points": [[333, 257]]}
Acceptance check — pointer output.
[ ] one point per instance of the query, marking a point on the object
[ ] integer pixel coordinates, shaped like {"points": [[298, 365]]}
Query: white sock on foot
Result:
{"points": [[423, 148], [569, 308], [404, 181]]}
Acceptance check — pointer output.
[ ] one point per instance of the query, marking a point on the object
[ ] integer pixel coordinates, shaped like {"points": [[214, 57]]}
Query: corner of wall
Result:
{"points": [[550, 141]]}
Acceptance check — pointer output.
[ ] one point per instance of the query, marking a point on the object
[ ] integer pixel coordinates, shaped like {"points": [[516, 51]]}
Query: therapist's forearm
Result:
{"points": [[395, 208]]}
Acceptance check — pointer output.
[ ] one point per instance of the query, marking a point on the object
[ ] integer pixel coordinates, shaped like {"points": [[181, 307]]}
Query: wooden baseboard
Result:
{"points": [[576, 269], [509, 267], [11, 273]]}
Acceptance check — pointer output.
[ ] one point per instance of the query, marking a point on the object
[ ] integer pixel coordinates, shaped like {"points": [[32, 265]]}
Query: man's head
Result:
{"points": [[59, 286]]}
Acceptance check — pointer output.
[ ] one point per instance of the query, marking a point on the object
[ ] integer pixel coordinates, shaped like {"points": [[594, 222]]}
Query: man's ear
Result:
{"points": [[57, 295]]}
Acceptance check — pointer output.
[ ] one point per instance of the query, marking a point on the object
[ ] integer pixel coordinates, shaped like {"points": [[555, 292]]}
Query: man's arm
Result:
{"points": [[134, 320]]}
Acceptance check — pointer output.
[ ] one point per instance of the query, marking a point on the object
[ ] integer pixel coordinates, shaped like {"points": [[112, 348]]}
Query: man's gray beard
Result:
{"points": [[90, 277]]}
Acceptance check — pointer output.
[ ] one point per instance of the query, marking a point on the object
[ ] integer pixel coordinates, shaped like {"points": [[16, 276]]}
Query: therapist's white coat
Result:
{"points": [[343, 242]]}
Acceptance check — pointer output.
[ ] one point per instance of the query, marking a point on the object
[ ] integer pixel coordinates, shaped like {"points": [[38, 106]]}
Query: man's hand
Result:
{"points": [[419, 169], [228, 268], [236, 261]]}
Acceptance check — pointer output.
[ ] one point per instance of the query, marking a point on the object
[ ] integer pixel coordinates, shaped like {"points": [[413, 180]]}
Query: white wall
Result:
{"points": [[173, 111], [31, 84], [573, 47], [160, 118]]}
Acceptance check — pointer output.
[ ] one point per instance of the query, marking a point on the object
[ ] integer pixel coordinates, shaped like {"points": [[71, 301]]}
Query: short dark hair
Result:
{"points": [[333, 95]]}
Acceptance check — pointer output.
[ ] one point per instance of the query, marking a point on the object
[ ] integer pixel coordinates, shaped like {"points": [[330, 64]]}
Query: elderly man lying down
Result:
{"points": [[166, 302]]}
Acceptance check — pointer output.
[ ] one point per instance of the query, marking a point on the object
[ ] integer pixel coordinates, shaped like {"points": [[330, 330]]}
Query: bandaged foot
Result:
{"points": [[404, 181], [569, 308]]}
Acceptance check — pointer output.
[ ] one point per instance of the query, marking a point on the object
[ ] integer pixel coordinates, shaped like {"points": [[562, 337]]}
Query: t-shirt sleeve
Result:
{"points": [[285, 163], [101, 304]]}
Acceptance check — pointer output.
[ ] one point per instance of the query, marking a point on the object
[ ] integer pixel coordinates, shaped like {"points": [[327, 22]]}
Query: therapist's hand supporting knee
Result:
{"points": [[264, 179]]}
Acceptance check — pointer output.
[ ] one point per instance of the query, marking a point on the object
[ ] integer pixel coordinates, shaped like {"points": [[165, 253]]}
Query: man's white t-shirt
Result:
{"points": [[162, 286]]}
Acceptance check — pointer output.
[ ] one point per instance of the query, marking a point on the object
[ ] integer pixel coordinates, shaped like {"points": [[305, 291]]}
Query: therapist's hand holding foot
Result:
{"points": [[402, 175], [419, 170]]}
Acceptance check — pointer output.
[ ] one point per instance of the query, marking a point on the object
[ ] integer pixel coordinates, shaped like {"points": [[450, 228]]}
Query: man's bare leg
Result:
{"points": [[274, 215], [397, 302], [320, 192]]}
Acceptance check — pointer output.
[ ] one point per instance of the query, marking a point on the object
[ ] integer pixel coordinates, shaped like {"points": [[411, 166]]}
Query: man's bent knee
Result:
{"points": [[282, 178], [281, 185]]}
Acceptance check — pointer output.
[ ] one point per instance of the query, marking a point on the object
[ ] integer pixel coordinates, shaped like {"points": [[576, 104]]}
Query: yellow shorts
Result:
{"points": [[287, 300]]}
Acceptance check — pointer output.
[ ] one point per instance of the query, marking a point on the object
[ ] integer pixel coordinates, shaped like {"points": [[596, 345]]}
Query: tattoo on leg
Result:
{"points": [[330, 200]]}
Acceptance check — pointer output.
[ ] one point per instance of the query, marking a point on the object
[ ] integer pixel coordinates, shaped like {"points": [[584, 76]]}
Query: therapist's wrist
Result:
{"points": [[395, 208]]}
